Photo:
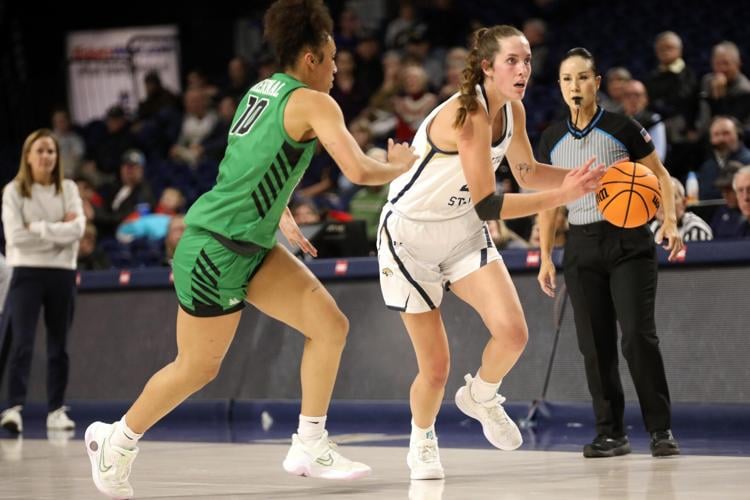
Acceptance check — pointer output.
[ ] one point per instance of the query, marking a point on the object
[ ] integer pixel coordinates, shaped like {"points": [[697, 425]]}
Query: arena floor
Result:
{"points": [[207, 460]]}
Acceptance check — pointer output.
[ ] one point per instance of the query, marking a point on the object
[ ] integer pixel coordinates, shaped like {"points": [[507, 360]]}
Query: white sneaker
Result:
{"points": [[11, 420], [59, 420], [424, 460], [498, 428], [321, 460], [110, 465]]}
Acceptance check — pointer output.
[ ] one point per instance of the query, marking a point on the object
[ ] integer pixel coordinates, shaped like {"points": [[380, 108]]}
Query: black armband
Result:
{"points": [[489, 207]]}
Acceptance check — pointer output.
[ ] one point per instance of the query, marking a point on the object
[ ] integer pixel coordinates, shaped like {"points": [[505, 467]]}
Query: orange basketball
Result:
{"points": [[629, 195]]}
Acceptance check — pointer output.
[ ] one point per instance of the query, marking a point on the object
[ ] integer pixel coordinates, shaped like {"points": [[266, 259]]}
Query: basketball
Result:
{"points": [[629, 196]]}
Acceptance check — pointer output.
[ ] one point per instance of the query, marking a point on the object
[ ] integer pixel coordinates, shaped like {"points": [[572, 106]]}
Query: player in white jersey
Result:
{"points": [[433, 236]]}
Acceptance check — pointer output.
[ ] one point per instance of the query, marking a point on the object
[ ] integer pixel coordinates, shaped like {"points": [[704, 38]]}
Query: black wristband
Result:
{"points": [[489, 207]]}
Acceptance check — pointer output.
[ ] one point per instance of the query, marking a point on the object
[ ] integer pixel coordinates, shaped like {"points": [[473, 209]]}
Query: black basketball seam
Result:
{"points": [[634, 184], [610, 201], [630, 197], [645, 204], [626, 173]]}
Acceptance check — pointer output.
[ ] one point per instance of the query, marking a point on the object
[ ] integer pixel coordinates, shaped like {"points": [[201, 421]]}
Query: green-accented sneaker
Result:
{"points": [[110, 465], [320, 459]]}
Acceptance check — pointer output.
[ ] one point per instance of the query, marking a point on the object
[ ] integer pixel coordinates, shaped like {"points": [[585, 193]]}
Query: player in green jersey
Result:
{"points": [[228, 254]]}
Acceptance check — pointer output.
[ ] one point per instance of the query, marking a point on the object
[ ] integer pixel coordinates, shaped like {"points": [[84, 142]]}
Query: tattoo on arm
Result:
{"points": [[524, 170]]}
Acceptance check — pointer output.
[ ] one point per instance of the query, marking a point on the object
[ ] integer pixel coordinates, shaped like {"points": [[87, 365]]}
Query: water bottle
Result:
{"points": [[692, 188], [143, 208]]}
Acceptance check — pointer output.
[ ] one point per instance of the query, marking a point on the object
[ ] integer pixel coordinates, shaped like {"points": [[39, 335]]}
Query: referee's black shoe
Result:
{"points": [[663, 444], [605, 446]]}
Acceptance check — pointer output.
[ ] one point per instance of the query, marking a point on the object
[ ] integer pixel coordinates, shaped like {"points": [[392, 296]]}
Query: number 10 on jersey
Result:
{"points": [[255, 107]]}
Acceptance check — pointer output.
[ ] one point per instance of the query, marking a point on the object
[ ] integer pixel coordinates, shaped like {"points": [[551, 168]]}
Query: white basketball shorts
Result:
{"points": [[418, 260]]}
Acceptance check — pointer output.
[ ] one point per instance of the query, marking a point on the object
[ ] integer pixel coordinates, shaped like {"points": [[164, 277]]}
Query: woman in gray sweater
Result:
{"points": [[43, 220]]}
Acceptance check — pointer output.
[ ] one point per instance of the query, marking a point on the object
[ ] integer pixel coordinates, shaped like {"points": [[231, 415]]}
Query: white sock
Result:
{"points": [[123, 436], [482, 391], [420, 434], [311, 429]]}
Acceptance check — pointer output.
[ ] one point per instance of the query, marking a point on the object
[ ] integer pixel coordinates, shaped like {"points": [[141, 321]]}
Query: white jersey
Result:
{"points": [[435, 187]]}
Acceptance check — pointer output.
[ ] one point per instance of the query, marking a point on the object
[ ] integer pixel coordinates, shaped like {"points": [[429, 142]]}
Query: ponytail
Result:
{"points": [[471, 76]]}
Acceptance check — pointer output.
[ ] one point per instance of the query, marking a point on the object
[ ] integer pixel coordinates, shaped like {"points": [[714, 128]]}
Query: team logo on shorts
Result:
{"points": [[387, 272]]}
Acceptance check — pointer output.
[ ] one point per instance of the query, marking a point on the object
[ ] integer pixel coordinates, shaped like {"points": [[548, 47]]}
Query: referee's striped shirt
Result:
{"points": [[691, 228], [609, 136]]}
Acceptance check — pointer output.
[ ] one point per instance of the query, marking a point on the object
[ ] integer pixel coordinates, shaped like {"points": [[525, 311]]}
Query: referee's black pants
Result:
{"points": [[30, 290], [611, 276]]}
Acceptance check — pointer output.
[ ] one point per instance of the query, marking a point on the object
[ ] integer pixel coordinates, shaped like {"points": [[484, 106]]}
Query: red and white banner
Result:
{"points": [[106, 67]]}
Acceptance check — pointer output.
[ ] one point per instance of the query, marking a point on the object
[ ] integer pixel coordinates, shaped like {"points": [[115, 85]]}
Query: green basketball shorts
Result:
{"points": [[211, 280]]}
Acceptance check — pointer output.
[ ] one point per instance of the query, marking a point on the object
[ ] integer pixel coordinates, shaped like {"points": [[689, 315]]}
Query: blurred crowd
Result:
{"points": [[139, 170]]}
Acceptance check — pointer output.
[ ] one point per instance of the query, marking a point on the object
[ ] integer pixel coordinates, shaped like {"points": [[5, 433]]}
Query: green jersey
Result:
{"points": [[261, 167]]}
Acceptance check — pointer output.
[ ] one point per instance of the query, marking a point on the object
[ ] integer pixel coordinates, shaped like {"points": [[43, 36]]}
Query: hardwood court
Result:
{"points": [[40, 470]]}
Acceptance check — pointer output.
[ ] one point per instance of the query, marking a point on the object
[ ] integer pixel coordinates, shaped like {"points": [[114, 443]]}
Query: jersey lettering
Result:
{"points": [[253, 111]]}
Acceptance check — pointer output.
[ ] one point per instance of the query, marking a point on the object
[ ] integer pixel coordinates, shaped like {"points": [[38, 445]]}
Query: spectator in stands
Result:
{"points": [[418, 52], [398, 30], [726, 145], [320, 180], [91, 257], [380, 107], [726, 217], [238, 73], [367, 203], [124, 197], [89, 197], [197, 123], [726, 90], [673, 93], [741, 186], [347, 30], [106, 152], [171, 202], [43, 221], [158, 98], [615, 80], [635, 105], [174, 233], [561, 230], [152, 226], [305, 212], [213, 146], [368, 68], [72, 147], [535, 31], [503, 237], [361, 130], [690, 225], [265, 66], [455, 61], [346, 90], [414, 103], [196, 79]]}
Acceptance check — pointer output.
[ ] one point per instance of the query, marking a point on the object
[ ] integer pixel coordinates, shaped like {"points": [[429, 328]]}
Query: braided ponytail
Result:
{"points": [[485, 44]]}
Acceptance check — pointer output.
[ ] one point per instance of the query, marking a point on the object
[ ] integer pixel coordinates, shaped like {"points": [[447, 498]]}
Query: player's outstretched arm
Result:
{"points": [[327, 121]]}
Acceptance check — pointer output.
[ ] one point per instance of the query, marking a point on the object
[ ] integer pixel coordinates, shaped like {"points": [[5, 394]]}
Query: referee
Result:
{"points": [[610, 272]]}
